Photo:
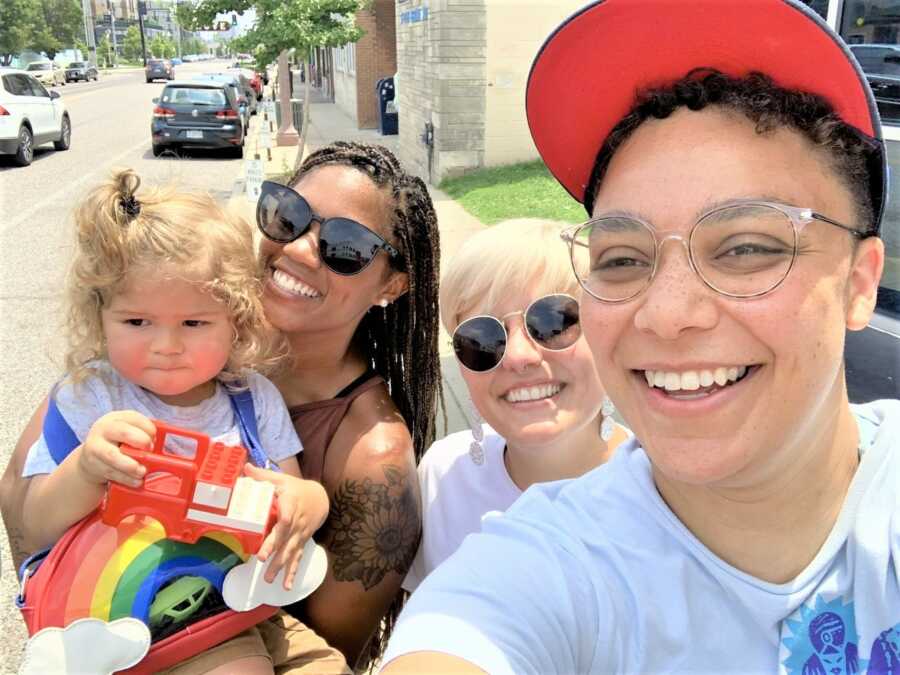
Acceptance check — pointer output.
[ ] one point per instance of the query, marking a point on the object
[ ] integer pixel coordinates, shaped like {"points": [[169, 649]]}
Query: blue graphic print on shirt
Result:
{"points": [[885, 657], [824, 641]]}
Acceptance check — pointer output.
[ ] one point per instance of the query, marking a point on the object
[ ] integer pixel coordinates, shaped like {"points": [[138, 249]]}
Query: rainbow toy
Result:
{"points": [[122, 568], [128, 586]]}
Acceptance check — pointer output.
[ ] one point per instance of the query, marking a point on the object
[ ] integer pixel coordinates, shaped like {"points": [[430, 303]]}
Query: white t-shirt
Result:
{"points": [[456, 494], [83, 404], [597, 575]]}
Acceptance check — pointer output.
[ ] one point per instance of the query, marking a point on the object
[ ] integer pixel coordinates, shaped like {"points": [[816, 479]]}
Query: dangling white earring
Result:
{"points": [[476, 451], [384, 303], [608, 426]]}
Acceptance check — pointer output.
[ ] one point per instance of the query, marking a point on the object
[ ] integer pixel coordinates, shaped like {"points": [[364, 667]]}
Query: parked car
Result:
{"points": [[197, 114], [176, 61], [257, 84], [30, 116], [239, 95], [47, 73], [81, 70], [873, 354], [244, 78], [159, 69]]}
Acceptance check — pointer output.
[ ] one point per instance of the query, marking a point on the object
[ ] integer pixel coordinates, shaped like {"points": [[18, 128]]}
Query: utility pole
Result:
{"points": [[178, 30], [142, 9], [89, 38], [112, 21]]}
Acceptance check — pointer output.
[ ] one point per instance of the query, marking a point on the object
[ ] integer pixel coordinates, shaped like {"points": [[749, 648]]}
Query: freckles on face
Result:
{"points": [[786, 346]]}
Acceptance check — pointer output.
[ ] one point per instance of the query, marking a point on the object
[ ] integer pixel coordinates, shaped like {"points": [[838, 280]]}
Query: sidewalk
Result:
{"points": [[329, 123]]}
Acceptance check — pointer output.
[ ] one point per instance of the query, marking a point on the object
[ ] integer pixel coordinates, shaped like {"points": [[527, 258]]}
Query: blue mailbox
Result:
{"points": [[387, 121]]}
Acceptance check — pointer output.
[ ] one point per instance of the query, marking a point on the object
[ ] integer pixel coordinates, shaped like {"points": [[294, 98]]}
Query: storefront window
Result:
{"points": [[872, 29]]}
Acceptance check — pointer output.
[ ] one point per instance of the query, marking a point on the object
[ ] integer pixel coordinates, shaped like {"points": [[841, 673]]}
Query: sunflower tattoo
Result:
{"points": [[373, 528]]}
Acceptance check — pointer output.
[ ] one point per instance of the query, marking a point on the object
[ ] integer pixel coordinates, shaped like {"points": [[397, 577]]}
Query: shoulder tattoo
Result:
{"points": [[373, 528]]}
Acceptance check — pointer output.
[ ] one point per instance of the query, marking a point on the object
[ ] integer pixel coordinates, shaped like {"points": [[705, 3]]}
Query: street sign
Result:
{"points": [[253, 172], [265, 137]]}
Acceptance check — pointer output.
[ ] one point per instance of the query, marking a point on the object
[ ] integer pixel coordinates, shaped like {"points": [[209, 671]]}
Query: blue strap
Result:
{"points": [[245, 413], [61, 440], [58, 435]]}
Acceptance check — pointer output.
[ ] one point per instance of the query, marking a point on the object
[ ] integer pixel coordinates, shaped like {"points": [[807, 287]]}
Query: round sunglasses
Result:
{"points": [[551, 322], [346, 247]]}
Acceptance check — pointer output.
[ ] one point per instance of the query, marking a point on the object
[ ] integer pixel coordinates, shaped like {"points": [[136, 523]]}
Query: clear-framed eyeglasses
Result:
{"points": [[742, 250]]}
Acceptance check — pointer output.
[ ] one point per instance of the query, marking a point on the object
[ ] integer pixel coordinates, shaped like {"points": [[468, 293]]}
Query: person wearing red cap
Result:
{"points": [[753, 523]]}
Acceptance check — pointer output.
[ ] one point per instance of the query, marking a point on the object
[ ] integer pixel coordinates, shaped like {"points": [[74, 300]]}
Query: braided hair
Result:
{"points": [[400, 341]]}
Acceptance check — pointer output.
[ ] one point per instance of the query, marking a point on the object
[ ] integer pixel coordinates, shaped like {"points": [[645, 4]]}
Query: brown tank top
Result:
{"points": [[317, 422]]}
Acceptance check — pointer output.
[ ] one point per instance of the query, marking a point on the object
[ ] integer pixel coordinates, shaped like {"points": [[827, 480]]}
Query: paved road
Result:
{"points": [[110, 128]]}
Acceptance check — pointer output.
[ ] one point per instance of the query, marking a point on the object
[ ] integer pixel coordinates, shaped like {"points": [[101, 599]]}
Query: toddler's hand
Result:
{"points": [[100, 459], [302, 508]]}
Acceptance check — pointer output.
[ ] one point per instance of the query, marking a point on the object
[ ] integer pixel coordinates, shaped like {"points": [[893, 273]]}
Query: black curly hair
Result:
{"points": [[401, 340], [854, 157]]}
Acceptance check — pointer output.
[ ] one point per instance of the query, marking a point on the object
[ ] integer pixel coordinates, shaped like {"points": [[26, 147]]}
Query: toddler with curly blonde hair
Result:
{"points": [[165, 322]]}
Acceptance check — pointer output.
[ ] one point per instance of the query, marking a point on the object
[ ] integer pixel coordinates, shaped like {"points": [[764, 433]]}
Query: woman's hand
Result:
{"points": [[100, 460], [302, 508]]}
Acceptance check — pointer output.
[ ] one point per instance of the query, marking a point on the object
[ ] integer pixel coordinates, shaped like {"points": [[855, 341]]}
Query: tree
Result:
{"points": [[17, 21], [60, 22], [104, 52], [282, 25], [82, 48], [42, 25], [131, 45], [192, 45]]}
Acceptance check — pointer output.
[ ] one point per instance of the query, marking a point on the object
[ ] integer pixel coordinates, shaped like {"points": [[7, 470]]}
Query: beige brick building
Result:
{"points": [[463, 66]]}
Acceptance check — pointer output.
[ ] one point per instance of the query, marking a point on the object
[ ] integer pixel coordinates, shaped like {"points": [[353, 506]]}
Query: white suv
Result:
{"points": [[30, 116]]}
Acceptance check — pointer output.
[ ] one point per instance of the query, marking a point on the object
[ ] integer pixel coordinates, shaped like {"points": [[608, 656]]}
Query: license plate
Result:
{"points": [[192, 133]]}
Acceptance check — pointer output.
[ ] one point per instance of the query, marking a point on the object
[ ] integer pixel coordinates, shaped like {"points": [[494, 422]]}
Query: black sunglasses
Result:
{"points": [[345, 246], [550, 321]]}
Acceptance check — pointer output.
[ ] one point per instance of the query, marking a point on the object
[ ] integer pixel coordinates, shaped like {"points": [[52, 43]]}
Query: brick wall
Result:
{"points": [[376, 57]]}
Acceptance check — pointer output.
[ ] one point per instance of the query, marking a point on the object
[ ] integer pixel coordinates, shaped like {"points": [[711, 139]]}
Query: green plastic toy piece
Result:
{"points": [[179, 600]]}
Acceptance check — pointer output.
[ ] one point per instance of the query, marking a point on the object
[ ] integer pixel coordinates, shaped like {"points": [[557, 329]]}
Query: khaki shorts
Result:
{"points": [[290, 646]]}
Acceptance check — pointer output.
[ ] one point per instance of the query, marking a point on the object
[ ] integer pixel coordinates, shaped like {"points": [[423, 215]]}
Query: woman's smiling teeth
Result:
{"points": [[535, 393], [693, 380], [293, 285]]}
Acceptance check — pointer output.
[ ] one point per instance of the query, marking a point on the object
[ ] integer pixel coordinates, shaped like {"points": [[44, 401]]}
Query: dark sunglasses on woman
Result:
{"points": [[345, 246], [551, 322]]}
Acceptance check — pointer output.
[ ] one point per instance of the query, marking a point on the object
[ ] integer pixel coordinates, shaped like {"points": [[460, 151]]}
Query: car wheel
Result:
{"points": [[25, 152], [149, 81], [65, 135], [158, 150], [238, 152]]}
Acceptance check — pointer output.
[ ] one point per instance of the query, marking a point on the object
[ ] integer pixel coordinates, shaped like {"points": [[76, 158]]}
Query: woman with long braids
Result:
{"points": [[350, 258], [351, 253]]}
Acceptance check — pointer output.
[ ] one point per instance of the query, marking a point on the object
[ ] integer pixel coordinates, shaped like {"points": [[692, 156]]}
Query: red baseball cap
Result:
{"points": [[586, 76]]}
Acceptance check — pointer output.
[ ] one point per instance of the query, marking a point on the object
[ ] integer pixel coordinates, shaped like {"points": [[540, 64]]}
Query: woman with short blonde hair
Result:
{"points": [[509, 299]]}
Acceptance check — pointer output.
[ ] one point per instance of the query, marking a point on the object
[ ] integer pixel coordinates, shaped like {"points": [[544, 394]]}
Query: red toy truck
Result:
{"points": [[199, 494]]}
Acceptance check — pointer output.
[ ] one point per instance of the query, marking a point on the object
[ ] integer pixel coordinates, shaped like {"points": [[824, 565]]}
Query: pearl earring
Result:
{"points": [[383, 303], [608, 426]]}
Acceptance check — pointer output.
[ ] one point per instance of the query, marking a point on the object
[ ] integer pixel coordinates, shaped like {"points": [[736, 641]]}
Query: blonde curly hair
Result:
{"points": [[120, 232]]}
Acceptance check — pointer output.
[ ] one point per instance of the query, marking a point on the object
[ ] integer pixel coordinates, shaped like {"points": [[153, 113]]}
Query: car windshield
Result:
{"points": [[191, 96], [76, 64], [38, 66]]}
